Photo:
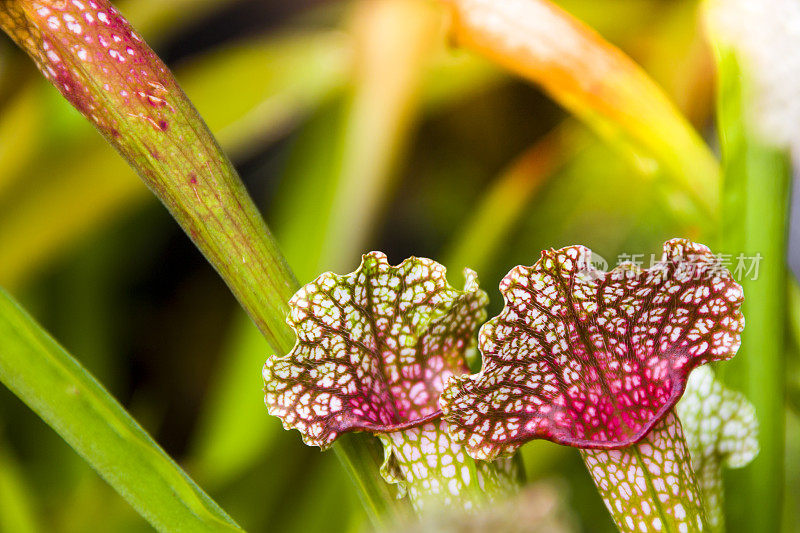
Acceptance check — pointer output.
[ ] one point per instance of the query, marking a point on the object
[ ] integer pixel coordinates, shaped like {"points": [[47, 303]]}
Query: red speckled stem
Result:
{"points": [[98, 62]]}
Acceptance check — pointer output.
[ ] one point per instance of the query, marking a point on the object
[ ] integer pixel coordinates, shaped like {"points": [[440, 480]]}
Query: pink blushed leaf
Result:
{"points": [[374, 348], [593, 359]]}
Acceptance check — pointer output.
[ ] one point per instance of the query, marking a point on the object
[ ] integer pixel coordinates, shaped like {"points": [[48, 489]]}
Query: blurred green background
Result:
{"points": [[353, 130]]}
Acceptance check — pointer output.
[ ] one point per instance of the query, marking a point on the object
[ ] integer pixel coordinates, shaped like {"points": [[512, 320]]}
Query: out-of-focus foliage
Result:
{"points": [[455, 159], [271, 94]]}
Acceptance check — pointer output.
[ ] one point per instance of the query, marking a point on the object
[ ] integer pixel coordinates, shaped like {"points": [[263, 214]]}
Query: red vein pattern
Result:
{"points": [[374, 348], [593, 359]]}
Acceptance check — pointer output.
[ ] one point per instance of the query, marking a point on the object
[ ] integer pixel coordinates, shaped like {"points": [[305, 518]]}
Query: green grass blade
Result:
{"points": [[755, 203], [78, 408], [380, 114], [350, 163]]}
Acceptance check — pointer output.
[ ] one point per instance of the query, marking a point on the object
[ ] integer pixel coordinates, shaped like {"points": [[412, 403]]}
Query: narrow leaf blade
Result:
{"points": [[594, 80], [79, 409]]}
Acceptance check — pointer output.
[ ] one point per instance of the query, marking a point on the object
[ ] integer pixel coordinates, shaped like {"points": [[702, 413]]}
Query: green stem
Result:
{"points": [[359, 454], [78, 408], [755, 212], [650, 486], [149, 120]]}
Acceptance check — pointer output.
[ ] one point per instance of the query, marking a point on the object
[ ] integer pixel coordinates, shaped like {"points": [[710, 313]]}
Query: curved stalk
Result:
{"points": [[93, 56]]}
